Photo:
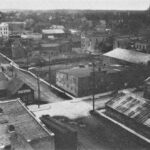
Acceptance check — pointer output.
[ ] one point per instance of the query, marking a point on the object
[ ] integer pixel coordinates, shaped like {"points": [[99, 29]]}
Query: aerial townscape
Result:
{"points": [[73, 79]]}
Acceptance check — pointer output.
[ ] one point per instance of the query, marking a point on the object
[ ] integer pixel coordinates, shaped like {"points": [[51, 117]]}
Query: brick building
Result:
{"points": [[79, 81]]}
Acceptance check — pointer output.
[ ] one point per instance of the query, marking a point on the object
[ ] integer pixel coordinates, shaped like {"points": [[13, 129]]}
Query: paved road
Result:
{"points": [[46, 93]]}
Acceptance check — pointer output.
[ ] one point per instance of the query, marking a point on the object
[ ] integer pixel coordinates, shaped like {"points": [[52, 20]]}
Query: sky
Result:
{"points": [[75, 4]]}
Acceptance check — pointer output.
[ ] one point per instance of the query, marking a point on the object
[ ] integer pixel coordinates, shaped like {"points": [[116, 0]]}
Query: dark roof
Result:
{"points": [[78, 72], [132, 106], [86, 71], [129, 56], [14, 85], [29, 133]]}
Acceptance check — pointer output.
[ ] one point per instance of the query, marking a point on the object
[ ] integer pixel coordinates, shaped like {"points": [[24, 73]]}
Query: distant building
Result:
{"points": [[126, 57], [54, 32], [121, 42], [16, 28], [92, 42], [18, 89], [4, 30], [17, 49], [79, 81], [57, 48], [20, 130], [31, 36], [75, 38], [142, 46], [101, 26], [57, 27]]}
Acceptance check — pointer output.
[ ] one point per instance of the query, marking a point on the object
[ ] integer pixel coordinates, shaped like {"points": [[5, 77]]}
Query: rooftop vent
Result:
{"points": [[11, 128]]}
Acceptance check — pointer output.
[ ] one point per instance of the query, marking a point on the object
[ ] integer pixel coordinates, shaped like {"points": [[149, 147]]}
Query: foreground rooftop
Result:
{"points": [[19, 128]]}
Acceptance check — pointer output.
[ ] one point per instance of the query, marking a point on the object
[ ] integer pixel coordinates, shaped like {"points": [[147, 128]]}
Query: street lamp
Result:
{"points": [[38, 84]]}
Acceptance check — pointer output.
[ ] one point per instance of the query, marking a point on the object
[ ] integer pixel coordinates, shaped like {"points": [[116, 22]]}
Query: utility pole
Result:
{"points": [[49, 71], [93, 84], [27, 60], [39, 92]]}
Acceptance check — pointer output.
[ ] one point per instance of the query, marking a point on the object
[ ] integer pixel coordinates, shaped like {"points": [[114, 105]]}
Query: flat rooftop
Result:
{"points": [[86, 71], [26, 126], [129, 56]]}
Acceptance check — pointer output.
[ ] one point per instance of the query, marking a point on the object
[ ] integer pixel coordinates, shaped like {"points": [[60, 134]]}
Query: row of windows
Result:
{"points": [[5, 29], [140, 46], [3, 33]]}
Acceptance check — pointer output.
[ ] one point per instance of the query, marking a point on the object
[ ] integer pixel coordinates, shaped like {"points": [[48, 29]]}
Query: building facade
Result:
{"points": [[4, 30], [121, 42], [92, 43], [16, 28], [83, 81], [142, 46]]}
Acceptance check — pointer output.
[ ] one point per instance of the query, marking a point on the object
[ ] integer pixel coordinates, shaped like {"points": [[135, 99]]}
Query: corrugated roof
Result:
{"points": [[26, 127], [129, 56], [132, 106]]}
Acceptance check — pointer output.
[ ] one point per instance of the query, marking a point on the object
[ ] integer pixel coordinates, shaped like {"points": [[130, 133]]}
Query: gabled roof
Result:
{"points": [[132, 106], [129, 56]]}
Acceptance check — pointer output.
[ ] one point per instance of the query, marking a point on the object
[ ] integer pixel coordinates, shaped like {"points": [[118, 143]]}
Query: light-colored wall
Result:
{"points": [[67, 82], [4, 30]]}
